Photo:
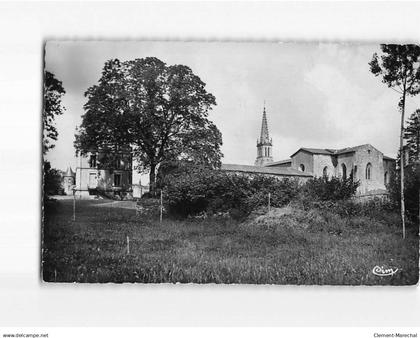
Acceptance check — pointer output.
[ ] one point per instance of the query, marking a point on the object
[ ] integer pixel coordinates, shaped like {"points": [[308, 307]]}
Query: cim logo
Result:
{"points": [[382, 272]]}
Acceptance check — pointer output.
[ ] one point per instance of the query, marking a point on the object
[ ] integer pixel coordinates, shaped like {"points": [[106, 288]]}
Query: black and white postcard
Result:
{"points": [[231, 162]]}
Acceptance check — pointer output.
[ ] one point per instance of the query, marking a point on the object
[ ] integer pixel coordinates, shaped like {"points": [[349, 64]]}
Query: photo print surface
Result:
{"points": [[231, 163]]}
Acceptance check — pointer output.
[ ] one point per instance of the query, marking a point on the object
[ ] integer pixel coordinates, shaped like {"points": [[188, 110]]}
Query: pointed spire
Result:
{"points": [[264, 144], [264, 136]]}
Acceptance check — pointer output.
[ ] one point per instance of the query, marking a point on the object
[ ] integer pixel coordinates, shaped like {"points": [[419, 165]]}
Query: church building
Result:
{"points": [[364, 163]]}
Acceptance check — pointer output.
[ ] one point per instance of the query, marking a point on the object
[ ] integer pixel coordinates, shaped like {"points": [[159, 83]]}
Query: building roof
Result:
{"points": [[272, 164], [331, 151], [315, 151], [350, 149], [264, 170], [69, 172], [388, 158]]}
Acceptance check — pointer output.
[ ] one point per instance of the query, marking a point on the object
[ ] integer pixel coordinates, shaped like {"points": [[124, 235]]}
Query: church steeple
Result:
{"points": [[264, 137], [264, 144]]}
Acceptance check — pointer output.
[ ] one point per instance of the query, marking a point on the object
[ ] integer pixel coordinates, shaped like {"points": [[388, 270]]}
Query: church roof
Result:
{"points": [[264, 170], [349, 149], [352, 149], [330, 151], [277, 163], [69, 172], [316, 151]]}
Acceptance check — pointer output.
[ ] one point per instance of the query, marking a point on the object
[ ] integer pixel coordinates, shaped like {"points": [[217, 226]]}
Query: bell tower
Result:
{"points": [[264, 144]]}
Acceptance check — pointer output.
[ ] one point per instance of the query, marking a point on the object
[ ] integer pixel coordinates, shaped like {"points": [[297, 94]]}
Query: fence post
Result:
{"points": [[74, 207], [128, 245], [269, 202], [161, 205]]}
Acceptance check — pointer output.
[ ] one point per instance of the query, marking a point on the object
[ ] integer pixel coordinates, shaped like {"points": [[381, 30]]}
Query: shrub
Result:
{"points": [[52, 181], [330, 189], [213, 191], [185, 192], [147, 195], [148, 207], [281, 192], [238, 214]]}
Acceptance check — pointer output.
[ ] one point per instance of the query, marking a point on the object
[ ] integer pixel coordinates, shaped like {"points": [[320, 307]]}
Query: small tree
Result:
{"points": [[399, 67], [52, 180], [53, 93]]}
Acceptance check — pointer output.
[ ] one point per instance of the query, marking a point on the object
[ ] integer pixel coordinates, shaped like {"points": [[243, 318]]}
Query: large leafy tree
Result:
{"points": [[53, 93], [399, 67], [160, 111]]}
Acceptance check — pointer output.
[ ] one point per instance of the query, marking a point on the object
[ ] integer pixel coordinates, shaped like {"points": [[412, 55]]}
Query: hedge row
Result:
{"points": [[198, 190]]}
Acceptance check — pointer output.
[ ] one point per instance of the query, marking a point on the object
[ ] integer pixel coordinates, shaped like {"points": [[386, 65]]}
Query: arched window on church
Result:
{"points": [[368, 171], [343, 171], [325, 172], [386, 178], [302, 167]]}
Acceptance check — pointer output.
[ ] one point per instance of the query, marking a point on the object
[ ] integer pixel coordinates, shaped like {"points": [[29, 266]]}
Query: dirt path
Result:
{"points": [[118, 204]]}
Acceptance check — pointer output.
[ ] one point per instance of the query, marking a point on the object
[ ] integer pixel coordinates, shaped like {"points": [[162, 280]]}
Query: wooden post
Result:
{"points": [[269, 202], [161, 206], [128, 245], [74, 206]]}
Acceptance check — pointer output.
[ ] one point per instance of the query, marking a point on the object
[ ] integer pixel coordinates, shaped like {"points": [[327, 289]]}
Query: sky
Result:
{"points": [[317, 95]]}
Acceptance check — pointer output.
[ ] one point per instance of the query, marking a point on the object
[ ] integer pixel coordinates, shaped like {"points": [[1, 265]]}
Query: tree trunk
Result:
{"points": [[152, 179], [402, 155]]}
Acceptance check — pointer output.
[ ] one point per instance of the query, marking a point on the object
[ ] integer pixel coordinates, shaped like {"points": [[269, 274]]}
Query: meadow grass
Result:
{"points": [[296, 247]]}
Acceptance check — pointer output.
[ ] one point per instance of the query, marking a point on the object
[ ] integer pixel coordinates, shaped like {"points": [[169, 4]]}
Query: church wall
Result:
{"points": [[389, 167], [363, 156], [348, 160], [322, 161], [305, 158]]}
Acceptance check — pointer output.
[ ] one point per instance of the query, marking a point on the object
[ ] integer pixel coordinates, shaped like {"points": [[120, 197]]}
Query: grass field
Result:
{"points": [[290, 248]]}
